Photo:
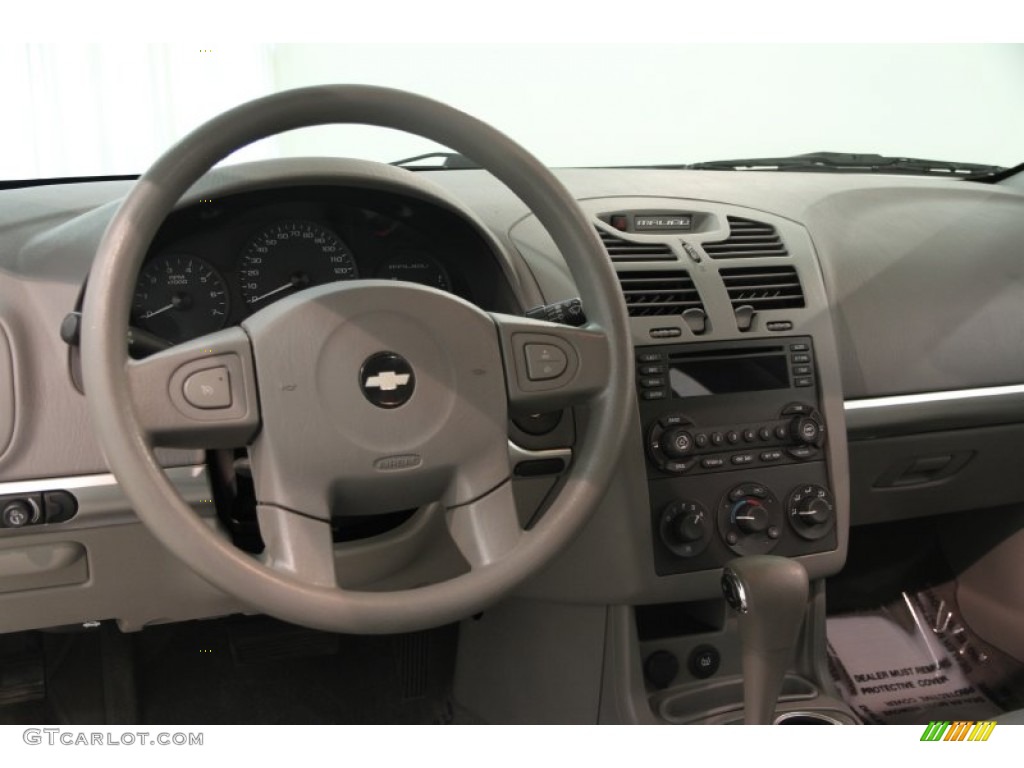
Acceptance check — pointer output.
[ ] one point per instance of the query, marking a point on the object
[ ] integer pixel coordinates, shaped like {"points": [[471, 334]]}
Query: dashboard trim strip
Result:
{"points": [[933, 397]]}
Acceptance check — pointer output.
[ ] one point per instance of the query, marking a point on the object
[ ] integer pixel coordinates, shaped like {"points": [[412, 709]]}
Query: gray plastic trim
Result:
{"points": [[933, 397], [101, 501]]}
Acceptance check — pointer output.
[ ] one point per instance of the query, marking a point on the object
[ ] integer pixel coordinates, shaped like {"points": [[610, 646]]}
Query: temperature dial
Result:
{"points": [[811, 511], [750, 519], [685, 528]]}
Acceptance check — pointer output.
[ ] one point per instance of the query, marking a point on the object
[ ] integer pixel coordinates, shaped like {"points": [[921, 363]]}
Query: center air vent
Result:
{"points": [[763, 288], [747, 239], [629, 250], [659, 293]]}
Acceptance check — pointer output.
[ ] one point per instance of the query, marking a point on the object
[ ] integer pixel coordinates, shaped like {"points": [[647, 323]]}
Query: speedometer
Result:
{"points": [[289, 256]]}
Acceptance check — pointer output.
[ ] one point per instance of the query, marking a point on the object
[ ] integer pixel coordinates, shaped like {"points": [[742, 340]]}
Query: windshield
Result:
{"points": [[88, 110]]}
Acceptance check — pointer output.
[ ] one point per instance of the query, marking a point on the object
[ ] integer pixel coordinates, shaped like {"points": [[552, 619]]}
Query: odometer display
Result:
{"points": [[289, 256], [180, 297]]}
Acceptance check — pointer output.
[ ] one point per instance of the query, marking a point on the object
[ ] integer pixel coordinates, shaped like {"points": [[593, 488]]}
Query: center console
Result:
{"points": [[735, 443]]}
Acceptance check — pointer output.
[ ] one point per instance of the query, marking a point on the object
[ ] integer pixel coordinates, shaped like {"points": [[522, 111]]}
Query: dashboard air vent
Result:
{"points": [[747, 239], [763, 288], [628, 250], [659, 293]]}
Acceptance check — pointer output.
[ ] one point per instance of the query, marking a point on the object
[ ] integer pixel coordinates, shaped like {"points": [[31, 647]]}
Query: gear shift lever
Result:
{"points": [[770, 595]]}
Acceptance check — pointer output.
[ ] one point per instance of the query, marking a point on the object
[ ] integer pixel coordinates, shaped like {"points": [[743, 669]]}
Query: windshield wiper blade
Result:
{"points": [[849, 162], [448, 161]]}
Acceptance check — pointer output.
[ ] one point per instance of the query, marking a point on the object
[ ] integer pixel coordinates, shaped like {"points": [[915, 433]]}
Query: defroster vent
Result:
{"points": [[659, 293], [629, 250], [763, 288], [747, 239]]}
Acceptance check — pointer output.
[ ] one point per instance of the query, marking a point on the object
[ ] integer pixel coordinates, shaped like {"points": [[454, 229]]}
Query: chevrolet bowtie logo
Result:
{"points": [[388, 381]]}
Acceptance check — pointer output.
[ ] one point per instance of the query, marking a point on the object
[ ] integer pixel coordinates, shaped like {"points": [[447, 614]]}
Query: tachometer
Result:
{"points": [[180, 297], [289, 256]]}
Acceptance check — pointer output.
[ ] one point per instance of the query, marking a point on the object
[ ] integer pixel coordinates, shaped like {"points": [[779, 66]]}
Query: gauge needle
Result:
{"points": [[284, 287], [160, 311]]}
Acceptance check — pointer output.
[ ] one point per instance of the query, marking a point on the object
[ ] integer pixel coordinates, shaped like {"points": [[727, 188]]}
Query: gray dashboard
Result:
{"points": [[910, 286]]}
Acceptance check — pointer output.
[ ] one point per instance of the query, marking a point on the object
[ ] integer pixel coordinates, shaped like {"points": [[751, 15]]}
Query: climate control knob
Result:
{"points": [[750, 516], [685, 528], [811, 511]]}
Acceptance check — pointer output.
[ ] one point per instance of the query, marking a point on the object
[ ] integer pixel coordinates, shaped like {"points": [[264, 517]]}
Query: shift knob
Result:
{"points": [[769, 594]]}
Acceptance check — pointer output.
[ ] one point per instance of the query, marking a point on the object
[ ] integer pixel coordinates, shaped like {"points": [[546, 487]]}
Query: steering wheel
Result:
{"points": [[364, 397]]}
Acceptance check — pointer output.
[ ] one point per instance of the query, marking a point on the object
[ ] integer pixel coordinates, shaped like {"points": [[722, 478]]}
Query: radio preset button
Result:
{"points": [[733, 437], [749, 435], [651, 370], [700, 440], [764, 433], [780, 433], [717, 438]]}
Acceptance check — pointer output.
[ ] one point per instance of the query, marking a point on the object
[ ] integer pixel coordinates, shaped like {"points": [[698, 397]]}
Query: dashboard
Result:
{"points": [[908, 297]]}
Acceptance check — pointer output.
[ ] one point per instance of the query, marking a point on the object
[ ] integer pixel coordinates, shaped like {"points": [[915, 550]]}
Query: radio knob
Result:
{"points": [[750, 516], [677, 443], [805, 430]]}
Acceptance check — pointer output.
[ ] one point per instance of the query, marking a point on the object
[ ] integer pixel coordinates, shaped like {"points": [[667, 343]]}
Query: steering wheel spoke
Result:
{"points": [[550, 366], [201, 394], [297, 545], [487, 529]]}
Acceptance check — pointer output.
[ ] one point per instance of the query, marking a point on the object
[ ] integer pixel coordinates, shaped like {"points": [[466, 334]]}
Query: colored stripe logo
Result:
{"points": [[958, 730]]}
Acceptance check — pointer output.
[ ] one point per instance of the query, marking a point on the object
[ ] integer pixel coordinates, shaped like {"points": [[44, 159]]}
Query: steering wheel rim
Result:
{"points": [[118, 403]]}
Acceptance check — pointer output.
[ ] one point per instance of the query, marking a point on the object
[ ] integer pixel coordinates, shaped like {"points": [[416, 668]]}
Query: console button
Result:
{"points": [[801, 370], [651, 370], [771, 455], [648, 357], [678, 467], [749, 435], [742, 458], [801, 358], [733, 437], [764, 433], [803, 452], [799, 347], [673, 420], [780, 433], [704, 661], [803, 381], [208, 389], [652, 381], [797, 409], [544, 361], [804, 429], [717, 438], [712, 462], [653, 394], [700, 440]]}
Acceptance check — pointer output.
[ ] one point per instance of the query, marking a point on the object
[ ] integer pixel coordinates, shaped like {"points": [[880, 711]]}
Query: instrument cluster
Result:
{"points": [[216, 263]]}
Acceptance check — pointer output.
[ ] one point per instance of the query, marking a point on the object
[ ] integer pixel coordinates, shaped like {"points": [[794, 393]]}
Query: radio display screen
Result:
{"points": [[697, 377]]}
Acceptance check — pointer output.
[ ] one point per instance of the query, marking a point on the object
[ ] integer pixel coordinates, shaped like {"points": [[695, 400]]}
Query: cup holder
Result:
{"points": [[805, 718]]}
